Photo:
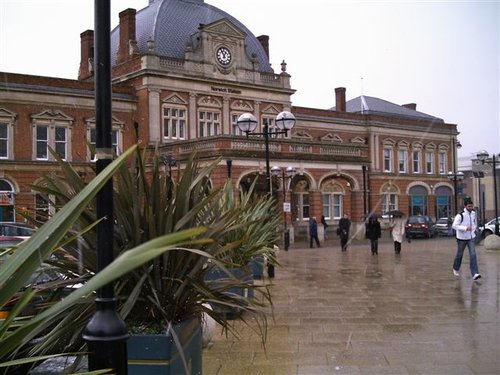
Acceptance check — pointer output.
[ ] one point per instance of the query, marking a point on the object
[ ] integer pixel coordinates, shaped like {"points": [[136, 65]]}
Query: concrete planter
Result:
{"points": [[160, 354], [257, 266], [216, 275]]}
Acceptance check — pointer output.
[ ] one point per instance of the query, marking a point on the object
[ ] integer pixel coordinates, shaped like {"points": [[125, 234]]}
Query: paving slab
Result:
{"points": [[353, 313]]}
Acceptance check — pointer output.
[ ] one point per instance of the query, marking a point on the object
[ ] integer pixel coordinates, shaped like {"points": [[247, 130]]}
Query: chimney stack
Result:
{"points": [[412, 106], [264, 40], [127, 34], [340, 105], [86, 55]]}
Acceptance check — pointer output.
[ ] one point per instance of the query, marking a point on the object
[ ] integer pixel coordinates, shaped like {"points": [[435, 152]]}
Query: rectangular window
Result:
{"points": [[416, 162], [42, 142], [429, 162], [402, 156], [326, 206], [234, 124], [42, 206], [442, 163], [174, 123], [209, 123], [60, 142], [332, 205], [304, 205], [389, 202], [337, 206], [4, 141], [114, 142], [271, 126], [387, 160]]}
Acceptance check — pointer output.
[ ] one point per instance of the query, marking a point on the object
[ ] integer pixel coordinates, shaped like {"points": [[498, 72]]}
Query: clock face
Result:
{"points": [[224, 56]]}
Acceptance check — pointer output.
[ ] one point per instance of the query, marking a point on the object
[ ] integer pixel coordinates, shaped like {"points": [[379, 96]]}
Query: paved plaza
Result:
{"points": [[353, 313]]}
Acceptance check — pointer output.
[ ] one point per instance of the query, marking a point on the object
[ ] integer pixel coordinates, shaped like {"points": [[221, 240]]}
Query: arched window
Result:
{"points": [[300, 199], [443, 201], [389, 195], [7, 202], [418, 200]]}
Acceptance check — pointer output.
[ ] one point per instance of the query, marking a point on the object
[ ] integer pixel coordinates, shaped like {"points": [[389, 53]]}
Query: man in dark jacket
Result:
{"points": [[373, 233], [313, 231], [344, 226]]}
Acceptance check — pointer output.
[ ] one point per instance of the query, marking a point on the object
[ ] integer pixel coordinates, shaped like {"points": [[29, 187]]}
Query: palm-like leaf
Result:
{"points": [[171, 287]]}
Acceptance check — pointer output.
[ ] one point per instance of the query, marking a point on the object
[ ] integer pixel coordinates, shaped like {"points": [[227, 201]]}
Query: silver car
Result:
{"points": [[443, 227], [488, 228]]}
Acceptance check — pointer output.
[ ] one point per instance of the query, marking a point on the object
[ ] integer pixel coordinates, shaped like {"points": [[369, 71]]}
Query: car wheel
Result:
{"points": [[486, 233]]}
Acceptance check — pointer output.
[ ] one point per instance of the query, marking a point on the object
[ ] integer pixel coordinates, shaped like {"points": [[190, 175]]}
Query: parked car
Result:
{"points": [[420, 226], [488, 228], [43, 275], [6, 242], [21, 230], [443, 227]]}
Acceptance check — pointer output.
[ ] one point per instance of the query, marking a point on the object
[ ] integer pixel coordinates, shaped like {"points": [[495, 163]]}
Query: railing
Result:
{"points": [[336, 150], [235, 144], [168, 62]]}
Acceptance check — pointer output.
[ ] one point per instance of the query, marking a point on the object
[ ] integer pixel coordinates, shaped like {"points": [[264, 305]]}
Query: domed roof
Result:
{"points": [[172, 25]]}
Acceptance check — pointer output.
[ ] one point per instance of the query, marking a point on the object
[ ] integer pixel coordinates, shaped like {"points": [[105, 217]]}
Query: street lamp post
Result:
{"points": [[105, 333], [484, 157], [455, 177], [247, 123], [285, 175], [480, 175]]}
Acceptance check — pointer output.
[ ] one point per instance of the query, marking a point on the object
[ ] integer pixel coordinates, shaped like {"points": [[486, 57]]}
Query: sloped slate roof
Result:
{"points": [[171, 24], [369, 105]]}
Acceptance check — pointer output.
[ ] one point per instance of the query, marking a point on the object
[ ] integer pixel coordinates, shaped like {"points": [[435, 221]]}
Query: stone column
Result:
{"points": [[154, 116], [193, 118]]}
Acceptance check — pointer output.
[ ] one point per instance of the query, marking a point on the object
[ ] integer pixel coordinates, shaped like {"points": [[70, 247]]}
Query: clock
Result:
{"points": [[224, 56]]}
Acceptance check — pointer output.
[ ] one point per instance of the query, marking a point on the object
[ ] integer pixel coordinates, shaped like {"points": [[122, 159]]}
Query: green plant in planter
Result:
{"points": [[259, 231], [17, 352], [169, 288], [255, 238]]}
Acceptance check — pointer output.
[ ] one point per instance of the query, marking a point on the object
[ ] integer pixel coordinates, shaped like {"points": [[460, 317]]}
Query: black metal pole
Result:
{"points": [[365, 206], [284, 197], [479, 198], [229, 164], [455, 185], [268, 171], [270, 267], [496, 194], [483, 206], [105, 333]]}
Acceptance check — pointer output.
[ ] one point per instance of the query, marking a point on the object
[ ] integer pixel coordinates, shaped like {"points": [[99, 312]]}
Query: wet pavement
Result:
{"points": [[353, 313]]}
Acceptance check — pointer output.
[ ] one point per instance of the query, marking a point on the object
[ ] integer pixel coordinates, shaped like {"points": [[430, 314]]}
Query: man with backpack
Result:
{"points": [[465, 225]]}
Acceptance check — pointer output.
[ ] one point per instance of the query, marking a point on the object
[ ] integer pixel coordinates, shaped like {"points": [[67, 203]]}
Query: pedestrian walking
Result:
{"points": [[344, 227], [465, 225], [325, 227], [313, 231], [397, 226], [373, 232]]}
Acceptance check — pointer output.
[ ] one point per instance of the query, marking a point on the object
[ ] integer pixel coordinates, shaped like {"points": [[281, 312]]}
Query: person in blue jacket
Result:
{"points": [[313, 231]]}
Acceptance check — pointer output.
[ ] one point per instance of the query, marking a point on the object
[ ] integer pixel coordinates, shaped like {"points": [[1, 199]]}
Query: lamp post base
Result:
{"points": [[106, 336]]}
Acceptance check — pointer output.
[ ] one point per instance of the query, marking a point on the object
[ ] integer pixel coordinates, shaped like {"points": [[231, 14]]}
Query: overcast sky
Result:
{"points": [[442, 55]]}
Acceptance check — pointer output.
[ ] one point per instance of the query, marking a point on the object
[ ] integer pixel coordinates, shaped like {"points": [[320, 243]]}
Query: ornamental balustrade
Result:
{"points": [[234, 145]]}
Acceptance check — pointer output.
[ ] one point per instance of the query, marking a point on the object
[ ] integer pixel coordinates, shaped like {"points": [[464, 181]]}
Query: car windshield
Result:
{"points": [[417, 220], [14, 229]]}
